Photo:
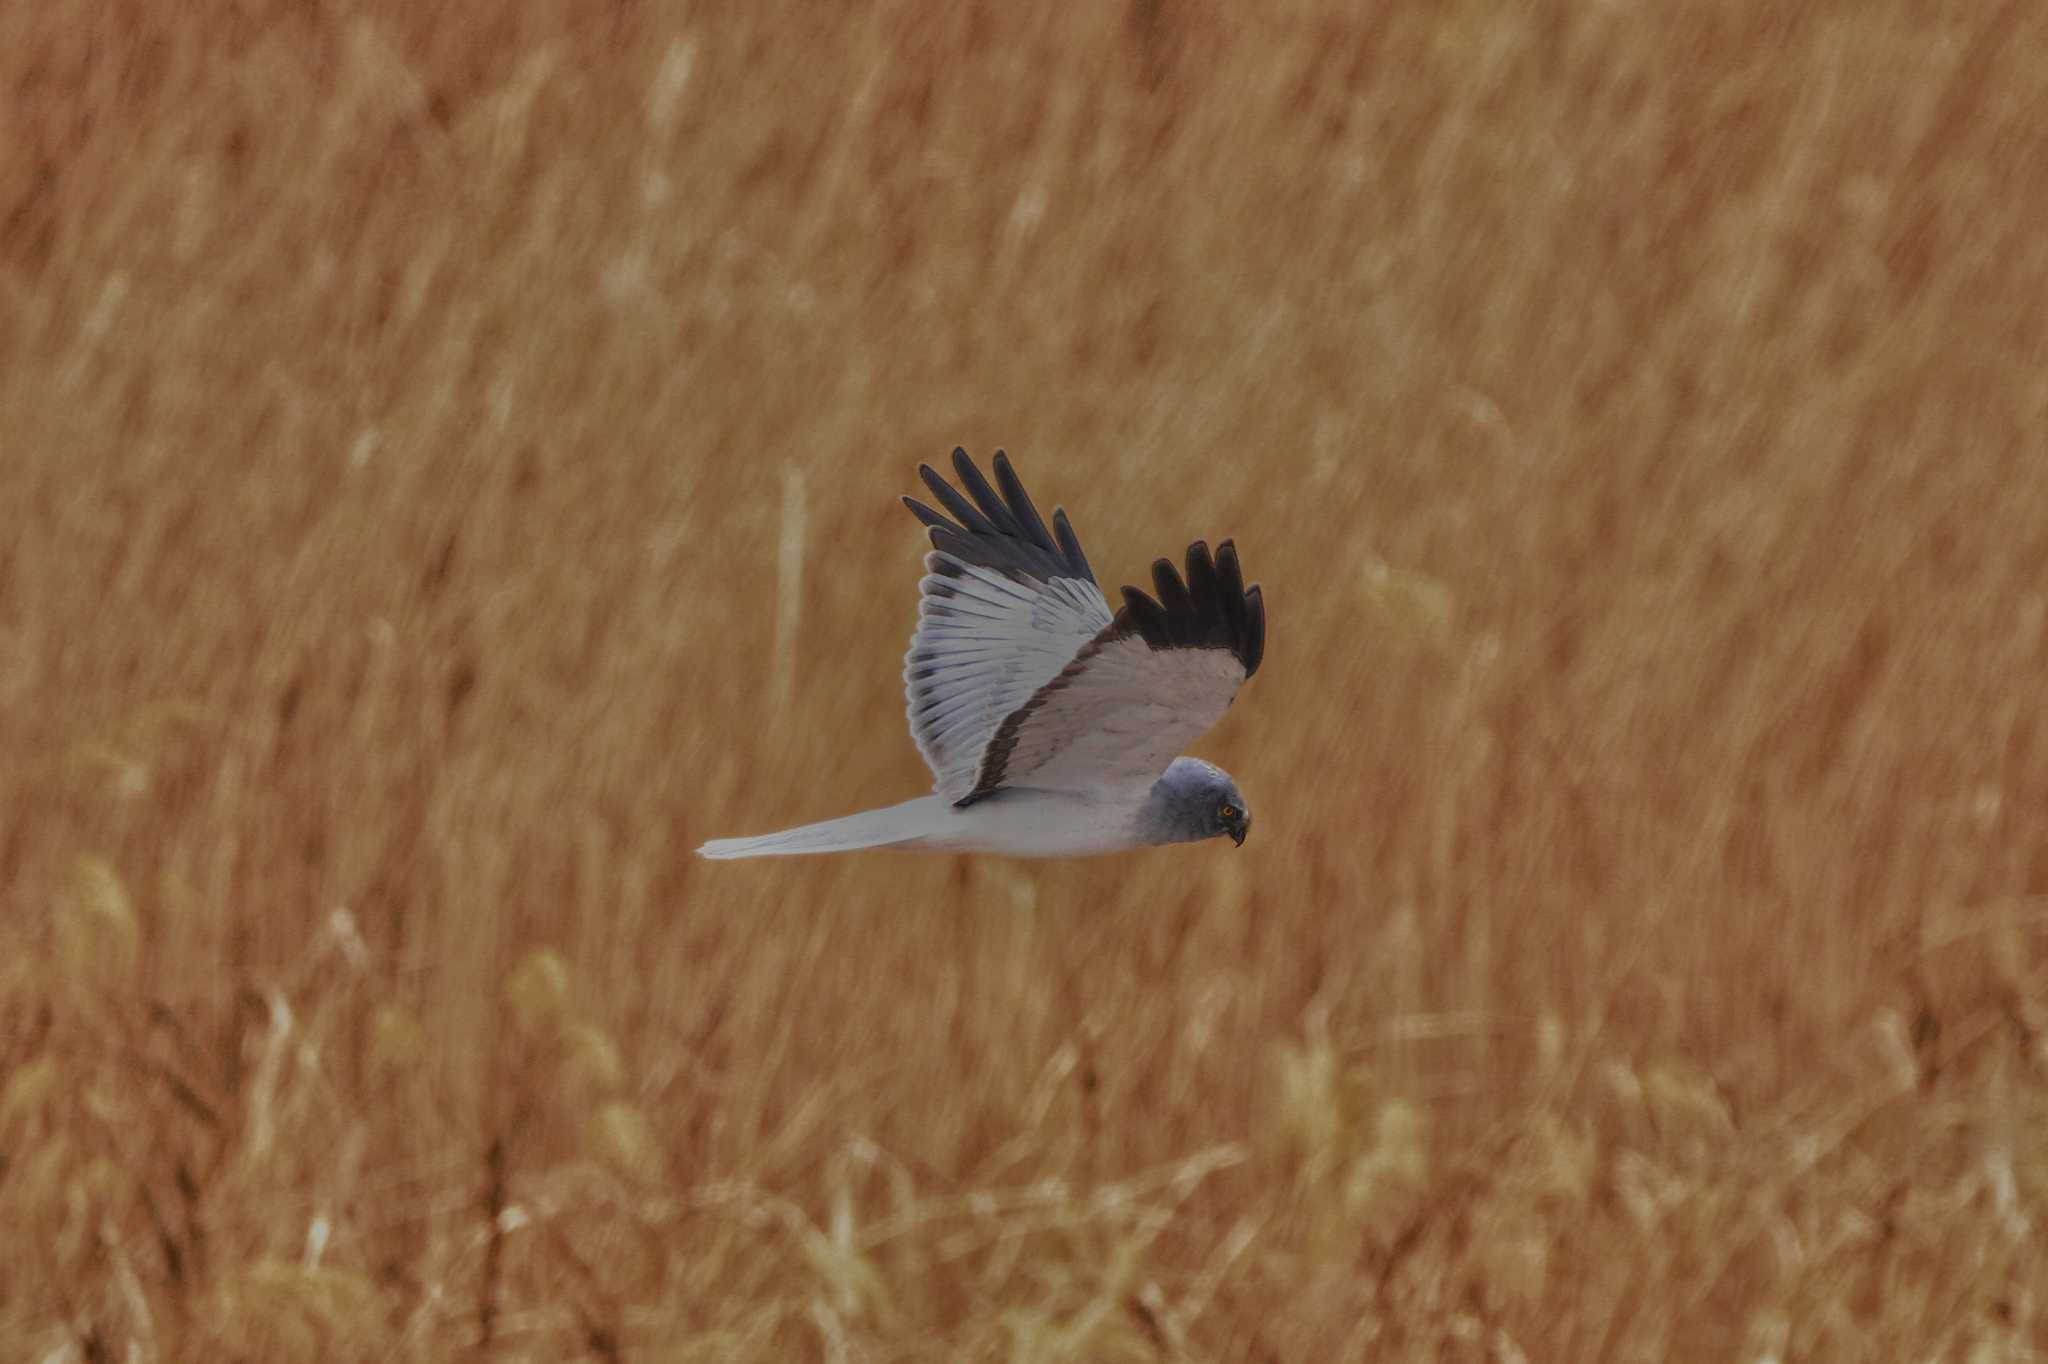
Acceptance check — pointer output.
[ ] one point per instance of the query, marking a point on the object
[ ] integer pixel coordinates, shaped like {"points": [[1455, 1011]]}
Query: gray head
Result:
{"points": [[1192, 801]]}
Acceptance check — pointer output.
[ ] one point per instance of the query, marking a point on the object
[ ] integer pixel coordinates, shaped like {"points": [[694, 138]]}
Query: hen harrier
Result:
{"points": [[1050, 724]]}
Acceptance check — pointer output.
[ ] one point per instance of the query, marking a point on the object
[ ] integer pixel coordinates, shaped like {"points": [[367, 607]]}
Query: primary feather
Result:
{"points": [[1002, 608]]}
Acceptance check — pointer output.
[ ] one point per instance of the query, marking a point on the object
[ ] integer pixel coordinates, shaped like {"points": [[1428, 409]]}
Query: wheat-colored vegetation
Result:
{"points": [[449, 456]]}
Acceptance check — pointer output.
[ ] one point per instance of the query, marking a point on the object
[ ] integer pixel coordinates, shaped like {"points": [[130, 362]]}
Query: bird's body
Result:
{"points": [[1050, 723]]}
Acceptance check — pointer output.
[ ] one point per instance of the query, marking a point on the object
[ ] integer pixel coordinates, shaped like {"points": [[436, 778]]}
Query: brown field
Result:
{"points": [[449, 460]]}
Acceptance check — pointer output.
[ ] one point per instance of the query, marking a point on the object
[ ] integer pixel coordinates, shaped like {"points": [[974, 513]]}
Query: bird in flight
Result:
{"points": [[1050, 724]]}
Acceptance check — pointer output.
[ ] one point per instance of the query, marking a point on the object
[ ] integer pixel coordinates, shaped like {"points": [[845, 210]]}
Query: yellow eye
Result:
{"points": [[1227, 811]]}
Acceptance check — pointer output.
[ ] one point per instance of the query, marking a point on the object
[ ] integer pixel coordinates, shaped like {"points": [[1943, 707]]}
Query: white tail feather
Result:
{"points": [[898, 826]]}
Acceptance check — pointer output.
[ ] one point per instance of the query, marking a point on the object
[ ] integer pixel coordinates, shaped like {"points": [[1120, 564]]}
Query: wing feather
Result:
{"points": [[1003, 607], [1115, 718]]}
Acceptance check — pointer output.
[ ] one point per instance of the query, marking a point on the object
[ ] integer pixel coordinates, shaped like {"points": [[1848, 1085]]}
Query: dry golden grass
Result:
{"points": [[439, 449]]}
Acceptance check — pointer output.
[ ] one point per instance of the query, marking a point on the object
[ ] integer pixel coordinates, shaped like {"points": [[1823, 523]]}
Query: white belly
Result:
{"points": [[1029, 823]]}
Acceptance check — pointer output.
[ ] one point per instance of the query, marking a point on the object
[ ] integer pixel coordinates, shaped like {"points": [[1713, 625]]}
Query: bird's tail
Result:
{"points": [[899, 826]]}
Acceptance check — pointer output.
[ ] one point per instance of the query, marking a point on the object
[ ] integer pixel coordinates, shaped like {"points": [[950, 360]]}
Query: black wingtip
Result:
{"points": [[1172, 592], [1209, 609], [1145, 616], [1255, 629], [996, 526], [1070, 544]]}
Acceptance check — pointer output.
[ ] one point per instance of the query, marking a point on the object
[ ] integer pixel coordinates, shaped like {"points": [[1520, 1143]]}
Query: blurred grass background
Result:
{"points": [[450, 456]]}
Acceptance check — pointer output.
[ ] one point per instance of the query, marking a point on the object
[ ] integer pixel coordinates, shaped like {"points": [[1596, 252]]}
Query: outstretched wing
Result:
{"points": [[1003, 607], [1153, 679]]}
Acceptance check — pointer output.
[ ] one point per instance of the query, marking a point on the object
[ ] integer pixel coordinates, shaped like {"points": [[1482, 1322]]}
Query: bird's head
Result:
{"points": [[1196, 800]]}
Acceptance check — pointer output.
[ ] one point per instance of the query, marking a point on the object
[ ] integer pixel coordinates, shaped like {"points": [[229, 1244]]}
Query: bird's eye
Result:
{"points": [[1226, 811]]}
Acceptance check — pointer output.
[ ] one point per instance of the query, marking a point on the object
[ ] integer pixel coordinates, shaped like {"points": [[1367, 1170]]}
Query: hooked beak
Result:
{"points": [[1239, 827]]}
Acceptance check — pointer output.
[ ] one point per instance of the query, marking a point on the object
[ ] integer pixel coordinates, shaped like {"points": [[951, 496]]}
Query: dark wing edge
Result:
{"points": [[995, 758], [1211, 609], [1000, 531]]}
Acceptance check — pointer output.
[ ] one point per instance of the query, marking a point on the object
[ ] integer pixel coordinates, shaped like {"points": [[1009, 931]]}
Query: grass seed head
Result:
{"points": [[541, 992], [619, 1136], [591, 1063], [98, 936], [398, 1044]]}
